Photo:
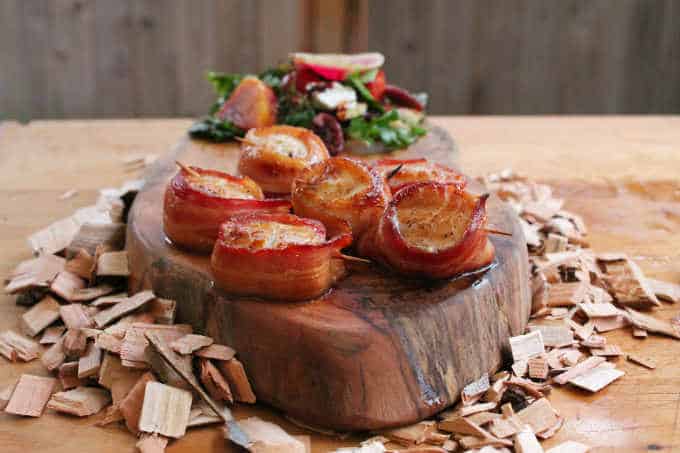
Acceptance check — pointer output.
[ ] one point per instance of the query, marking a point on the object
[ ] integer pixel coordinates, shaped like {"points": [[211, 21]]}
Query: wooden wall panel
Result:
{"points": [[101, 58], [534, 56]]}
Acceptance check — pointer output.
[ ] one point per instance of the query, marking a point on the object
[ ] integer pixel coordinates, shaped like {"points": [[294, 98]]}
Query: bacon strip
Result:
{"points": [[462, 248], [276, 267], [341, 192], [273, 156], [193, 210], [416, 170]]}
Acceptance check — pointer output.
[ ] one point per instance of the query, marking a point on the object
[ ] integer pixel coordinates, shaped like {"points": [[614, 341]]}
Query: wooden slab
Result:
{"points": [[386, 351]]}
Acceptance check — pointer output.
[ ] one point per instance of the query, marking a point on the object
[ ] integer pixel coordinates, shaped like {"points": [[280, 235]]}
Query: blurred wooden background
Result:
{"points": [[121, 58]]}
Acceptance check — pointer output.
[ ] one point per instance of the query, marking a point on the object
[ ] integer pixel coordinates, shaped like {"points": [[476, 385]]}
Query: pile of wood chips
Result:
{"points": [[124, 355]]}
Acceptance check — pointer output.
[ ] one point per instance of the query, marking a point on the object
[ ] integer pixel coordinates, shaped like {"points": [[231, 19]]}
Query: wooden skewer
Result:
{"points": [[393, 172], [245, 140], [188, 169], [354, 258], [499, 232]]}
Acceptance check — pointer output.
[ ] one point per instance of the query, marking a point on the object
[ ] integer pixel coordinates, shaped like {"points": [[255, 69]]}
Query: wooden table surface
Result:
{"points": [[620, 173]]}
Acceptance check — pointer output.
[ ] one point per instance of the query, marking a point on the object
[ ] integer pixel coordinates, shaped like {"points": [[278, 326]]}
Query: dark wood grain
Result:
{"points": [[376, 351]]}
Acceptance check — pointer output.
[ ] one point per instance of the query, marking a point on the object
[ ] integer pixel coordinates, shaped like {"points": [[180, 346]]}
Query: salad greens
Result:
{"points": [[388, 129], [371, 118]]}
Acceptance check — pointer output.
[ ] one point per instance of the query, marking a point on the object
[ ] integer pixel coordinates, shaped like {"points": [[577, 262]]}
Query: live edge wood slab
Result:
{"points": [[378, 350]]}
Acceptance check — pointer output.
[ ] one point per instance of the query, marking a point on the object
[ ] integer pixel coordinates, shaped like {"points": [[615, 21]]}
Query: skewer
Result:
{"points": [[499, 232], [244, 140], [188, 169], [393, 172], [354, 258]]}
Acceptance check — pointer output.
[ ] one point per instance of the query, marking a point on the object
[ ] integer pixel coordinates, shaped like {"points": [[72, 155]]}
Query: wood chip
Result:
{"points": [[52, 334], [460, 425], [570, 446], [538, 368], [505, 426], [525, 442], [411, 435], [131, 405], [566, 294], [526, 346], [91, 235], [30, 395], [54, 356], [107, 301], [571, 357], [91, 293], [108, 342], [670, 292], [645, 362], [540, 415], [113, 264], [165, 411], [601, 310], [90, 362], [171, 357], [105, 317], [36, 272], [596, 379], [555, 336], [40, 316], [214, 382], [6, 395], [653, 325], [610, 350], [610, 323], [639, 333], [68, 375], [162, 310], [520, 368], [235, 375], [82, 264], [496, 391], [216, 352], [256, 435], [190, 343], [627, 283], [594, 341], [581, 368], [75, 343], [26, 349], [581, 331], [151, 443], [474, 442], [75, 316], [80, 401], [465, 411], [66, 284], [555, 243], [133, 348], [550, 432]]}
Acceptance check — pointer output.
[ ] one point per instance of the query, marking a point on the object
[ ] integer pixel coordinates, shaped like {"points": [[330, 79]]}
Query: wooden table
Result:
{"points": [[620, 173]]}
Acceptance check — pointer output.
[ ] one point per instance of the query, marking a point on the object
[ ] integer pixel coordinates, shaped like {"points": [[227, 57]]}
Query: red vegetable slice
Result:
{"points": [[277, 256], [337, 66], [377, 86], [341, 191], [431, 230], [197, 201], [416, 170], [273, 156]]}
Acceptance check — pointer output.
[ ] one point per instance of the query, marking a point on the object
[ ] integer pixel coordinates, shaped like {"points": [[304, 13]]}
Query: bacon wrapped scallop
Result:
{"points": [[277, 256], [400, 172], [431, 230], [273, 156], [197, 201], [341, 192]]}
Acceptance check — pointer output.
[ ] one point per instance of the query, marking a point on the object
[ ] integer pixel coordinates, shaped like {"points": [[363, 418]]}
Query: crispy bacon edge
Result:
{"points": [[275, 175], [391, 164], [191, 217], [472, 252], [362, 211], [296, 272]]}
